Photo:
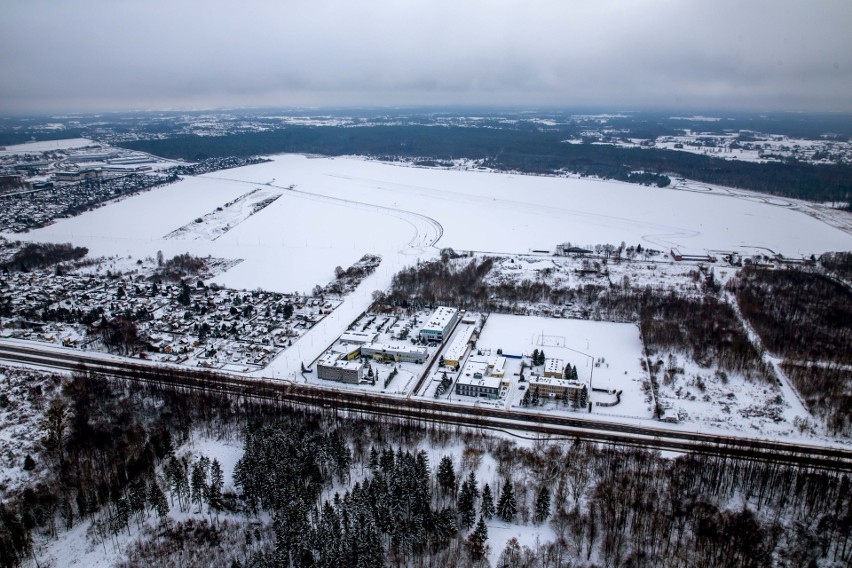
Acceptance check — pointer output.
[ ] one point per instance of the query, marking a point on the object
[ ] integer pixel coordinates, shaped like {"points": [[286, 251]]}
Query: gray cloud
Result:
{"points": [[100, 55]]}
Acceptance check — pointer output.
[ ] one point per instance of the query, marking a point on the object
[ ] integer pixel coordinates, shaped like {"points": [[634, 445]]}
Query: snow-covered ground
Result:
{"points": [[605, 353], [515, 213], [344, 207]]}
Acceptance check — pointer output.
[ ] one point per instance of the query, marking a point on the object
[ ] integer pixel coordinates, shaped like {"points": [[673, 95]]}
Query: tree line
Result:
{"points": [[517, 149], [42, 255]]}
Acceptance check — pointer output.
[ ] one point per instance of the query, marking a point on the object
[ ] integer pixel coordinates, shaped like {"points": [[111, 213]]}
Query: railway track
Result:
{"points": [[434, 412]]}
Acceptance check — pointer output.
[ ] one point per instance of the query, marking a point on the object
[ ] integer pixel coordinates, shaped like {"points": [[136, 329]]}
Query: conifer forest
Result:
{"points": [[319, 488]]}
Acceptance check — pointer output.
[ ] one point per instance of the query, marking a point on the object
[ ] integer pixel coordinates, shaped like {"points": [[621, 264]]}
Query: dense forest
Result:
{"points": [[440, 281], [41, 255], [317, 488], [798, 314], [521, 149]]}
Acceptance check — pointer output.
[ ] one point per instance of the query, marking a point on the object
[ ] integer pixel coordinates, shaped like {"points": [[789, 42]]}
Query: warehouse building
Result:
{"points": [[398, 353], [358, 337], [457, 349], [440, 324]]}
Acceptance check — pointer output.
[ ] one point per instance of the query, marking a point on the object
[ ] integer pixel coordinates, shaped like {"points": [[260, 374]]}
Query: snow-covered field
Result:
{"points": [[606, 353], [342, 208], [515, 213]]}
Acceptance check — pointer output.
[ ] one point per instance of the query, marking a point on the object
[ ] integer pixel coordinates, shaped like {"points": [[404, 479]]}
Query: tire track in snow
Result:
{"points": [[427, 231], [550, 210]]}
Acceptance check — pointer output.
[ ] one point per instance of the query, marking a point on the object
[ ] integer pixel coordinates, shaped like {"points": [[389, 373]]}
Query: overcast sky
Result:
{"points": [[92, 55]]}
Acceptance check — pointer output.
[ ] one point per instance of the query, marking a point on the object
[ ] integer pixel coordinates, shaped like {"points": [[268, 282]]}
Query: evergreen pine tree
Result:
{"points": [[157, 500], [542, 505], [471, 479], [387, 460], [121, 518], [486, 509], [137, 499], [374, 459], [527, 399], [467, 504], [217, 481], [507, 506], [535, 398], [476, 540], [445, 527], [198, 484], [447, 476], [584, 397]]}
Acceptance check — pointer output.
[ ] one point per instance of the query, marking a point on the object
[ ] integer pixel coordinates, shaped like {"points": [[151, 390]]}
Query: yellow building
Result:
{"points": [[555, 388]]}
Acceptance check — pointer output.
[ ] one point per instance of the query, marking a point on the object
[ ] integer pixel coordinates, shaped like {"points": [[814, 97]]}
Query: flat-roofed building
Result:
{"points": [[331, 368], [555, 388], [470, 317], [482, 375], [440, 324], [457, 349], [359, 337], [393, 352], [478, 385], [554, 368], [346, 351], [497, 366], [78, 175], [494, 365]]}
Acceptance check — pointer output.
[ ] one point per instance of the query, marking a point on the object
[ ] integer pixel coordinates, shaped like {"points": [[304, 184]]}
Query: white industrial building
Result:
{"points": [[495, 365], [392, 352], [457, 349], [482, 376], [358, 337], [440, 324], [555, 388]]}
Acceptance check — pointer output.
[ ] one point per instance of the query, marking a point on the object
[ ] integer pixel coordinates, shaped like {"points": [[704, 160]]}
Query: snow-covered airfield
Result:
{"points": [[333, 210]]}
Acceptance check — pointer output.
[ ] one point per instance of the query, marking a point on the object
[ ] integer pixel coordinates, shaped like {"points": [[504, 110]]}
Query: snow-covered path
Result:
{"points": [[796, 408]]}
